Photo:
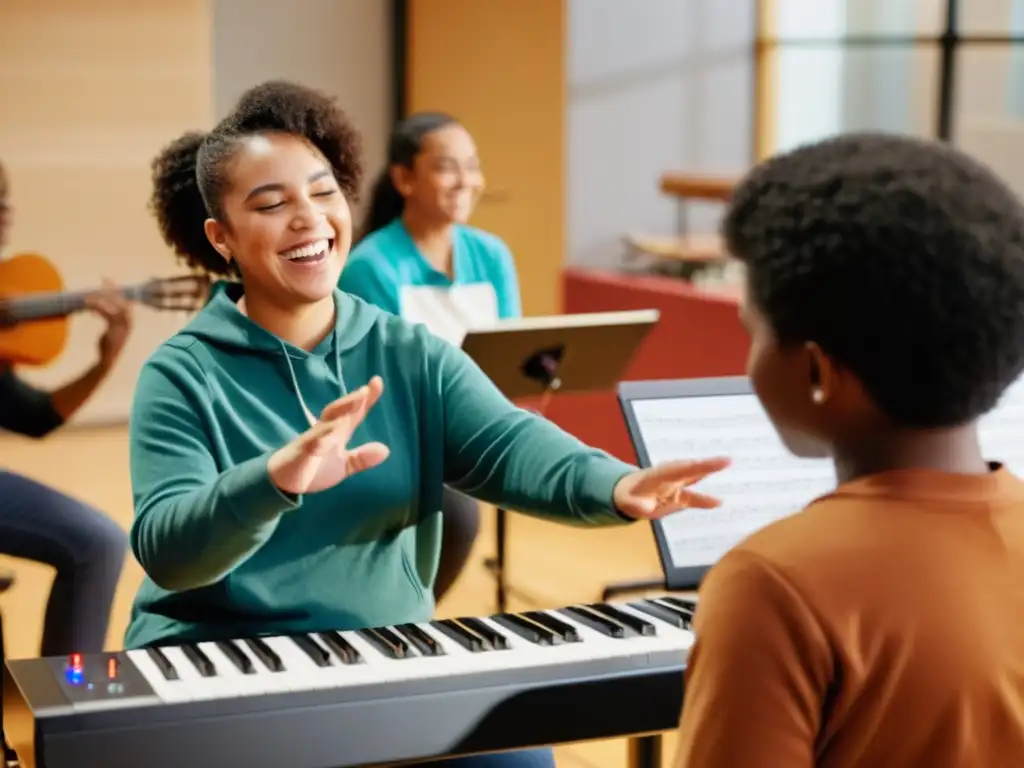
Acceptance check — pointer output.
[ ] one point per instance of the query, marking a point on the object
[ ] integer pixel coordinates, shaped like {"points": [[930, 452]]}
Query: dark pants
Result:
{"points": [[461, 516], [86, 548]]}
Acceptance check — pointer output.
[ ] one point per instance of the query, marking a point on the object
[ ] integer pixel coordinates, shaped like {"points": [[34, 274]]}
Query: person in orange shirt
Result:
{"points": [[882, 625]]}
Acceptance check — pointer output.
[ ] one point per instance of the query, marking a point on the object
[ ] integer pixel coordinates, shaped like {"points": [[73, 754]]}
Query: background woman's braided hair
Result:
{"points": [[190, 174]]}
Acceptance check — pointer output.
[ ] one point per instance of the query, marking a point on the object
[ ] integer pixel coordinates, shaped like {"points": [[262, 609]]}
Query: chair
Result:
{"points": [[10, 758]]}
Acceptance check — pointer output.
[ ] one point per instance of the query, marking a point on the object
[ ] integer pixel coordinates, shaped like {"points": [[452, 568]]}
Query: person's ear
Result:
{"points": [[401, 178], [217, 235], [821, 374]]}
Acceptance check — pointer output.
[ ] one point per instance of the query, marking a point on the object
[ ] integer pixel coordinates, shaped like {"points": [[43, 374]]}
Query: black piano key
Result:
{"points": [[199, 660], [677, 607], [595, 621], [531, 631], [387, 642], [635, 623], [266, 654], [565, 631], [162, 663], [424, 643], [313, 649], [341, 647], [662, 613], [237, 656], [460, 634], [684, 605], [496, 640]]}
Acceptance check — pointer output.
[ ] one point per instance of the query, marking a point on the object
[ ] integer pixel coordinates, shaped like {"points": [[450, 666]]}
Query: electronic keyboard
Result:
{"points": [[381, 695]]}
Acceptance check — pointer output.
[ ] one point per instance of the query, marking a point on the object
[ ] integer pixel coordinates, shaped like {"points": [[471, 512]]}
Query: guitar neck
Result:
{"points": [[46, 306]]}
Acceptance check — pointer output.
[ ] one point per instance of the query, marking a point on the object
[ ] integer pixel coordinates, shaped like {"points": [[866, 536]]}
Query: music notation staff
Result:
{"points": [[764, 483]]}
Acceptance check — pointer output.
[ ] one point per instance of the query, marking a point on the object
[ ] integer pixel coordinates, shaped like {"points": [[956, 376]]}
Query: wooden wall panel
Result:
{"points": [[499, 66], [90, 90]]}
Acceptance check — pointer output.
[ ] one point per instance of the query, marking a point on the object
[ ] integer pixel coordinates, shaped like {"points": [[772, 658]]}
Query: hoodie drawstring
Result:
{"points": [[295, 381]]}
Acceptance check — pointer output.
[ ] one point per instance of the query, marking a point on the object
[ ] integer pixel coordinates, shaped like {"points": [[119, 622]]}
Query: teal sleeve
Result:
{"points": [[506, 284], [193, 522], [362, 278], [504, 455]]}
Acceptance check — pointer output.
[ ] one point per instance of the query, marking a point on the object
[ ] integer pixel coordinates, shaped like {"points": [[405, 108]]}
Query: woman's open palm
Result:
{"points": [[320, 458]]}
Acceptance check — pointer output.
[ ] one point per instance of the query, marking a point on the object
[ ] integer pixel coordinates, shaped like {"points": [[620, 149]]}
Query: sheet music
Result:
{"points": [[765, 482]]}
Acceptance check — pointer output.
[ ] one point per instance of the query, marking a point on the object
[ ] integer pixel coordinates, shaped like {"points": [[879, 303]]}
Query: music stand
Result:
{"points": [[541, 356]]}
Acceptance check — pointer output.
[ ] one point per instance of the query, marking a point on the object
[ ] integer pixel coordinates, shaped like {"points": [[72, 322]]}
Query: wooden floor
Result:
{"points": [[550, 565]]}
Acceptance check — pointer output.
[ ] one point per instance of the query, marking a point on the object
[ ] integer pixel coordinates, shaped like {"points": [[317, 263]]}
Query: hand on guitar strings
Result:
{"points": [[320, 458], [111, 305], [651, 494]]}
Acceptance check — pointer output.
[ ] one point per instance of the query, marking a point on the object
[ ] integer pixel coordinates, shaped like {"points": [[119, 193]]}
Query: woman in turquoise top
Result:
{"points": [[289, 446], [417, 258]]}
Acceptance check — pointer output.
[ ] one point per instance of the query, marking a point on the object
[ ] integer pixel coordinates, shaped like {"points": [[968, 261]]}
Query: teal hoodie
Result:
{"points": [[226, 554]]}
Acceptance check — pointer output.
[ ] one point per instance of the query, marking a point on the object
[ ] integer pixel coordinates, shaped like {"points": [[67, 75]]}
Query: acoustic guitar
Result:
{"points": [[34, 308]]}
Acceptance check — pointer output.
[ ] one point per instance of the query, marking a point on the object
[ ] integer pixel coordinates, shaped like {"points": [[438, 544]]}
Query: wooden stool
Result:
{"points": [[10, 759]]}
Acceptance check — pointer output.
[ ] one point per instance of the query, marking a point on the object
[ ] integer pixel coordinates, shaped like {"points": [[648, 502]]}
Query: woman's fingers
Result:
{"points": [[699, 500], [367, 456], [355, 403]]}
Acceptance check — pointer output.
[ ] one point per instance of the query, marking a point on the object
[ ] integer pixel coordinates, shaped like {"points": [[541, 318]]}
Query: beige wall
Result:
{"points": [[340, 46], [499, 66], [90, 90]]}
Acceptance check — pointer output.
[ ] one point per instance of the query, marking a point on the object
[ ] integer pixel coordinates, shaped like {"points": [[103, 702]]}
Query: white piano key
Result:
{"points": [[376, 666], [302, 674], [229, 680], [171, 691], [188, 673], [270, 681]]}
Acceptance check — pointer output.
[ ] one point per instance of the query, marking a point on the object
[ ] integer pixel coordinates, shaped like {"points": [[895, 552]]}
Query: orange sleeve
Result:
{"points": [[757, 674]]}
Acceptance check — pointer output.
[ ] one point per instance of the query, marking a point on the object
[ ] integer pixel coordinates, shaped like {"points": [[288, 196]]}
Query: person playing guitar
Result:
{"points": [[38, 523]]}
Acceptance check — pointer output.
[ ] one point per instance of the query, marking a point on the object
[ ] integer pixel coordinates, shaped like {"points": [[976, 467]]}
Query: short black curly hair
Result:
{"points": [[903, 259], [189, 173]]}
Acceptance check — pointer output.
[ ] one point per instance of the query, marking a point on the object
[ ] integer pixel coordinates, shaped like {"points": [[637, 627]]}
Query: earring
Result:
{"points": [[818, 395]]}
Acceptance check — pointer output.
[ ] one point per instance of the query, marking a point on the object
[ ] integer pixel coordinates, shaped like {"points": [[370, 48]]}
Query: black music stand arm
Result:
{"points": [[542, 367]]}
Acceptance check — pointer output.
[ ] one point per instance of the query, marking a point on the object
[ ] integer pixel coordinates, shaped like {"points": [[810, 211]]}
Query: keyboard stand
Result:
{"points": [[645, 751], [10, 757]]}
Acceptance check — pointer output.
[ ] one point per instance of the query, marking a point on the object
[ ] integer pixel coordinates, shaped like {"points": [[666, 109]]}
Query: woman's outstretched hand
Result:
{"points": [[320, 458], [652, 493]]}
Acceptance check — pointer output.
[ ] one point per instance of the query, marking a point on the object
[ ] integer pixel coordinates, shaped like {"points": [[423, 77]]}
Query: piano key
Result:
{"points": [[629, 620], [531, 631], [341, 648], [162, 663], [268, 680], [227, 680], [301, 672], [595, 620], [199, 659], [674, 607], [680, 603], [661, 612], [491, 634], [313, 649], [265, 654], [387, 642], [241, 661], [190, 677], [424, 643], [565, 631], [460, 634], [170, 690]]}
